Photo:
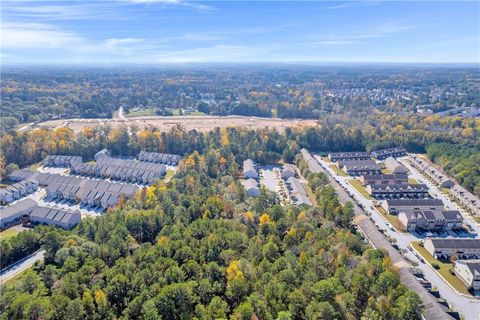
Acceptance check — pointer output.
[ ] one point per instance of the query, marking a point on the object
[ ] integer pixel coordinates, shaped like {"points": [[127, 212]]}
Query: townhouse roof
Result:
{"points": [[19, 206], [250, 184], [414, 202], [453, 243]]}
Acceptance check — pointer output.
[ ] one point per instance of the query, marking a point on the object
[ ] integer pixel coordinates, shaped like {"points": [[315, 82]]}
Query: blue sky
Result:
{"points": [[178, 31]]}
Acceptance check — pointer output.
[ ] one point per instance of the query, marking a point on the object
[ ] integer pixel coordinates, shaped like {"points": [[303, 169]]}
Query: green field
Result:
{"points": [[140, 113], [360, 188], [393, 220], [7, 234], [443, 270], [339, 172], [197, 113]]}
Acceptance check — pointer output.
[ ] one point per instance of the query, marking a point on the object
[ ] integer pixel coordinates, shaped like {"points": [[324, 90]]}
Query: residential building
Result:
{"points": [[120, 169], [394, 206], [249, 170], [14, 213], [430, 171], [298, 194], [81, 190], [156, 157], [394, 166], [65, 219], [359, 167], [389, 152], [384, 179], [251, 186], [431, 220], [61, 161], [102, 153], [468, 271], [391, 191], [341, 156], [466, 199], [288, 171], [460, 248]]}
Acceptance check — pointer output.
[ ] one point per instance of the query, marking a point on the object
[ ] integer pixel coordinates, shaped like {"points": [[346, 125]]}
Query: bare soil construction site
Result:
{"points": [[200, 123]]}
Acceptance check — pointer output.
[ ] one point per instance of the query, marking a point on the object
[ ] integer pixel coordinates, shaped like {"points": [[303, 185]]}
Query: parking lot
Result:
{"points": [[270, 177]]}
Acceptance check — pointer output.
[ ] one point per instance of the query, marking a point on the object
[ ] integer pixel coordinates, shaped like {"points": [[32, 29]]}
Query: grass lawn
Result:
{"points": [[339, 172], [169, 175], [386, 171], [326, 159], [197, 113], [140, 113], [393, 220], [360, 188], [7, 234], [411, 180], [443, 270], [35, 166]]}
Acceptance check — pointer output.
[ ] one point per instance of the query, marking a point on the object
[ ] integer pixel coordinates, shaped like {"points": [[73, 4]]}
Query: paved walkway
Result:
{"points": [[20, 266]]}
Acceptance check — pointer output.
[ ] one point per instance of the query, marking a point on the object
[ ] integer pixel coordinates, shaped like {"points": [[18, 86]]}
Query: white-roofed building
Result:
{"points": [[249, 170], [251, 186]]}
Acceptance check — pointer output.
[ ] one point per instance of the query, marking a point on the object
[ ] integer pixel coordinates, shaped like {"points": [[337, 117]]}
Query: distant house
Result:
{"points": [[14, 213], [393, 191], [468, 271], [61, 161], [394, 166], [156, 157], [288, 171], [298, 194], [340, 156], [384, 179], [17, 190], [431, 220], [464, 248], [359, 167], [389, 152], [394, 206], [249, 170], [53, 216], [102, 153], [430, 171], [251, 186]]}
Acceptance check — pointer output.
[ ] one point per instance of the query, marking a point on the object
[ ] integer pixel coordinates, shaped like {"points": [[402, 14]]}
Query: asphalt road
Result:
{"points": [[433, 310], [20, 266]]}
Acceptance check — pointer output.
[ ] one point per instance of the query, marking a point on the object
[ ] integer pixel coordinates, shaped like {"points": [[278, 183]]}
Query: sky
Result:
{"points": [[183, 31]]}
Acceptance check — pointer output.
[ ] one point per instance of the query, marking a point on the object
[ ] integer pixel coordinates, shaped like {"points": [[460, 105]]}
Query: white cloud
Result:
{"points": [[115, 42], [173, 3], [218, 53], [355, 4], [36, 36]]}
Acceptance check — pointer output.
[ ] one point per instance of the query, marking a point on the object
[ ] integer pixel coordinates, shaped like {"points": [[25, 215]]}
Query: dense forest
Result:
{"points": [[451, 142], [198, 248], [462, 163]]}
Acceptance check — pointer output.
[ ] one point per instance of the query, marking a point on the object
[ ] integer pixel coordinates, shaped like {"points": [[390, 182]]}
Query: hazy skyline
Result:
{"points": [[174, 31]]}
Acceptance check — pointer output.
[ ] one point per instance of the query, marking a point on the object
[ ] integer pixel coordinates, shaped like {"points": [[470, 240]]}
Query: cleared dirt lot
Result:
{"points": [[200, 123]]}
